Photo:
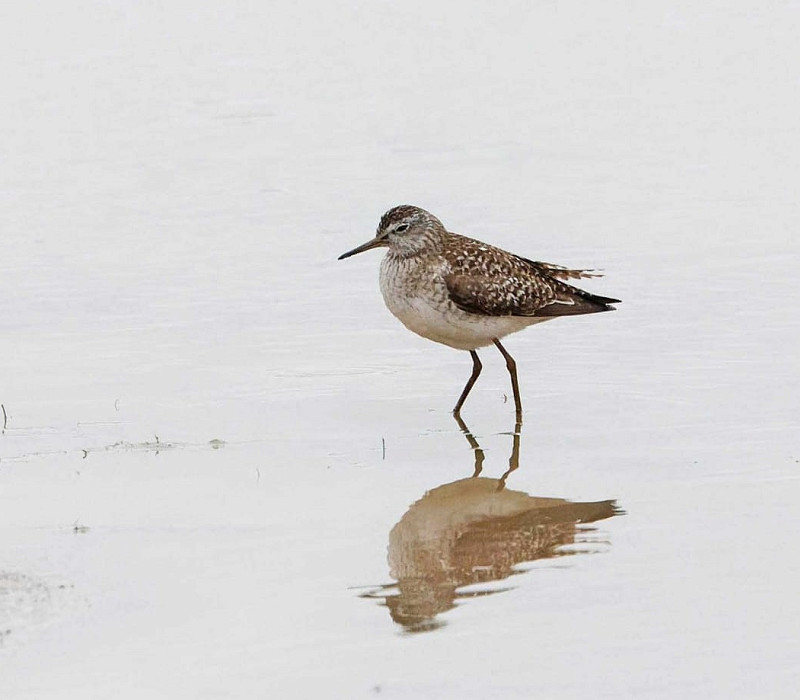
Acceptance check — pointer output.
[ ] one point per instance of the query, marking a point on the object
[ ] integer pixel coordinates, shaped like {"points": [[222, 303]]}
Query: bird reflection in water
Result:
{"points": [[474, 531]]}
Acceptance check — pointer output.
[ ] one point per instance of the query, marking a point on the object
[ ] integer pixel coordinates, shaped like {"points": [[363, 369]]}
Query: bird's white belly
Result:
{"points": [[464, 333], [427, 311]]}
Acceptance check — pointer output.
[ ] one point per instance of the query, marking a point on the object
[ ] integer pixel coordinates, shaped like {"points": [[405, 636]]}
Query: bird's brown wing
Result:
{"points": [[489, 281], [562, 273]]}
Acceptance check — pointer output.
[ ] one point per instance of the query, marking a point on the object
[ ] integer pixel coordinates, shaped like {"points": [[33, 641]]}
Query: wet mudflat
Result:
{"points": [[226, 471]]}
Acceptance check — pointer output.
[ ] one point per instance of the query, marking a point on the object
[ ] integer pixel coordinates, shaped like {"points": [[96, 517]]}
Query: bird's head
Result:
{"points": [[406, 230]]}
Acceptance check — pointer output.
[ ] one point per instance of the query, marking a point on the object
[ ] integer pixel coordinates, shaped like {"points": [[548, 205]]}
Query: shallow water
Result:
{"points": [[227, 471]]}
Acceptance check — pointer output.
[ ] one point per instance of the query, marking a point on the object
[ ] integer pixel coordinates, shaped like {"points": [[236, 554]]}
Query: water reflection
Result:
{"points": [[473, 531]]}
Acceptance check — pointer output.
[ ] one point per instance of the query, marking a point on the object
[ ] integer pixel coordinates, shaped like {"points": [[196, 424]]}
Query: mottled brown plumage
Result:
{"points": [[467, 294], [490, 281]]}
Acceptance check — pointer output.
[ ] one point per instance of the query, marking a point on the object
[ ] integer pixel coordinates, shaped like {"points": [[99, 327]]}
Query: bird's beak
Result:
{"points": [[374, 243]]}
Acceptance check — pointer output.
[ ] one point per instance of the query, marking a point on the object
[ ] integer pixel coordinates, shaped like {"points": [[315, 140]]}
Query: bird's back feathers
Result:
{"points": [[489, 281]]}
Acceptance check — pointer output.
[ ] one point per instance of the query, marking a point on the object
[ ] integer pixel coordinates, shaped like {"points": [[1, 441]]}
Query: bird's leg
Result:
{"points": [[512, 370], [476, 370]]}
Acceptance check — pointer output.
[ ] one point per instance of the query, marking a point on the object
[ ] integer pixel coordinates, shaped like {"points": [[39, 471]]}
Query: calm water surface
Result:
{"points": [[227, 471]]}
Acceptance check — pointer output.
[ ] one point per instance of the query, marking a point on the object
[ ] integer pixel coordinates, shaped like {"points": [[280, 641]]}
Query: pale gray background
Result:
{"points": [[176, 181]]}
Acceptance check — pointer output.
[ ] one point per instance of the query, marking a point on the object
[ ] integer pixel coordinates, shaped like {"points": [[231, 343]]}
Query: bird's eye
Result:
{"points": [[401, 228]]}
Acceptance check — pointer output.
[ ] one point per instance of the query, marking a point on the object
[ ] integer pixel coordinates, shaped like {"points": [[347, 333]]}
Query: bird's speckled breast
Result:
{"points": [[414, 290]]}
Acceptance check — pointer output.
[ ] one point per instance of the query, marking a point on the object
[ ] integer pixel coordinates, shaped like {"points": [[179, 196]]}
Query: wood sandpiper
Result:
{"points": [[466, 294]]}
